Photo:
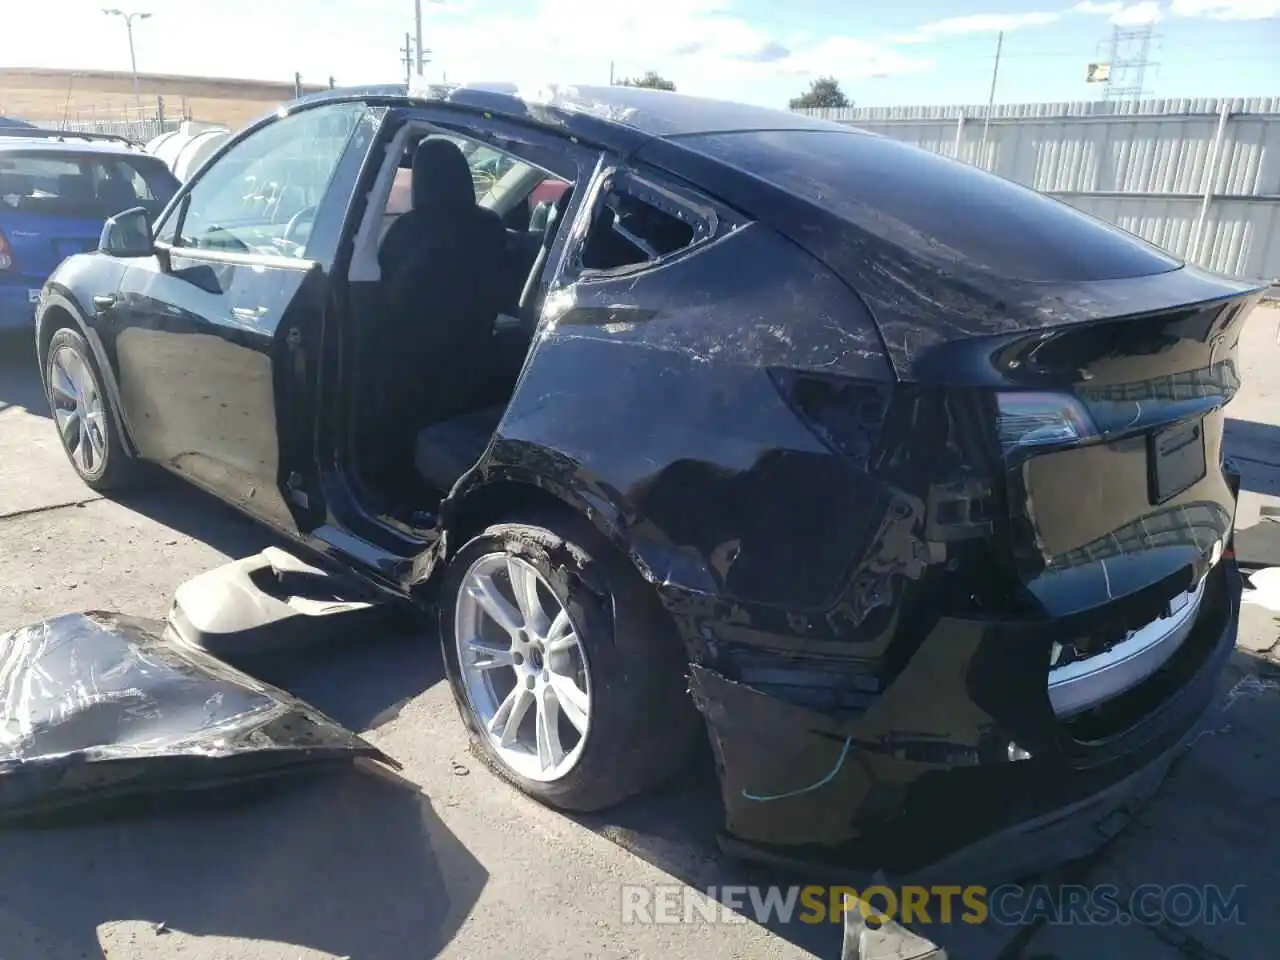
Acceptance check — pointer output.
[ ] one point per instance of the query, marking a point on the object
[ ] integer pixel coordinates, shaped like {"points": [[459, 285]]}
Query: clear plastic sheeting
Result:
{"points": [[100, 705]]}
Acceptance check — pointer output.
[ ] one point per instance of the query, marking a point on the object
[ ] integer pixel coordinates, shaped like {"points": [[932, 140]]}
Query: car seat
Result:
{"points": [[116, 195], [429, 352]]}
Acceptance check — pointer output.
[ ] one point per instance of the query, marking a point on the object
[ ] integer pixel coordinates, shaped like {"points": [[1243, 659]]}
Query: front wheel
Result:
{"points": [[83, 416], [564, 667]]}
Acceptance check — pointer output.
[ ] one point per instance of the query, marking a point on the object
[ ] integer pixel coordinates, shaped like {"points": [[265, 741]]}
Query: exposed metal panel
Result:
{"points": [[1145, 166]]}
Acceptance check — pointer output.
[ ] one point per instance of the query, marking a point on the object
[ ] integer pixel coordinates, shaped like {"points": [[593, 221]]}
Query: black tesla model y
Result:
{"points": [[900, 482]]}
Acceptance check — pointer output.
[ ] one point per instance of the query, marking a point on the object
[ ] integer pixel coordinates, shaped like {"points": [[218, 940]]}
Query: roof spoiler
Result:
{"points": [[49, 134]]}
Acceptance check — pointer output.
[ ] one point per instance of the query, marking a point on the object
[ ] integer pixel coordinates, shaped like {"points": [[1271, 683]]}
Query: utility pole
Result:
{"points": [[991, 100], [407, 59], [611, 73], [133, 59]]}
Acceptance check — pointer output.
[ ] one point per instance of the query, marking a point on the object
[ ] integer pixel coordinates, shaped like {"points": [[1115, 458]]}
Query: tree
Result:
{"points": [[823, 92], [651, 79]]}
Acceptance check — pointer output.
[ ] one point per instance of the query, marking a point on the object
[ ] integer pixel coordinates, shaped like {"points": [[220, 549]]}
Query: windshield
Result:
{"points": [[83, 186]]}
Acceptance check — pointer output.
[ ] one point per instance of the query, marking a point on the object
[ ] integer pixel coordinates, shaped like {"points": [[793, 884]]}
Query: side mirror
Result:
{"points": [[128, 234]]}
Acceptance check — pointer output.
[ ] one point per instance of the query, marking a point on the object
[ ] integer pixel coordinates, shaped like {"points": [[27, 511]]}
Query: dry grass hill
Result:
{"points": [[51, 94]]}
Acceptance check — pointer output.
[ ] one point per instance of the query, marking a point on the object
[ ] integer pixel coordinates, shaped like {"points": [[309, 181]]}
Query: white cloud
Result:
{"points": [[978, 23], [699, 44], [1227, 9], [1123, 14], [849, 58], [1150, 11], [1137, 15]]}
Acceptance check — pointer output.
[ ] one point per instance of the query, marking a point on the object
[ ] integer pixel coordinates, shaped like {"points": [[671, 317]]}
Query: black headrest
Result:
{"points": [[114, 191], [74, 186], [16, 183], [442, 179]]}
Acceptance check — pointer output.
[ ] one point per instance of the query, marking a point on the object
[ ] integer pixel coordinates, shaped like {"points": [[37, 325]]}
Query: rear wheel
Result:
{"points": [[83, 415], [563, 665]]}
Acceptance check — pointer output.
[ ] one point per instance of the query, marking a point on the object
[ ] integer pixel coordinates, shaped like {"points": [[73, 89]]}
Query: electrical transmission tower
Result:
{"points": [[1129, 59]]}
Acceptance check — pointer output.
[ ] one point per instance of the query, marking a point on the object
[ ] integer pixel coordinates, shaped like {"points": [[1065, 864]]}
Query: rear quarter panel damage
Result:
{"points": [[658, 402], [729, 421]]}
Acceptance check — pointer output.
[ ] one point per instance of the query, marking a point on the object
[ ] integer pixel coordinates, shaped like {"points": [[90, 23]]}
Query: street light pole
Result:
{"points": [[133, 59], [991, 101]]}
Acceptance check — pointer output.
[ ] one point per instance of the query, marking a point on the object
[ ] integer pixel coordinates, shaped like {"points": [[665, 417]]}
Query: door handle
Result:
{"points": [[104, 301], [248, 313]]}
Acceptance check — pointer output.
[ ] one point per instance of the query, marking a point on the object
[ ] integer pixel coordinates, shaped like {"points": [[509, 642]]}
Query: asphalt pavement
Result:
{"points": [[449, 861]]}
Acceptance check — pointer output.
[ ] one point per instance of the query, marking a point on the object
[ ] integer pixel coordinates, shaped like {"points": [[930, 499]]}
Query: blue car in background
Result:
{"points": [[56, 190]]}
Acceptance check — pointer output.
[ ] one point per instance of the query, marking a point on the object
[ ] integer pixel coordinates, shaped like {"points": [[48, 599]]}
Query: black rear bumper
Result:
{"points": [[923, 787]]}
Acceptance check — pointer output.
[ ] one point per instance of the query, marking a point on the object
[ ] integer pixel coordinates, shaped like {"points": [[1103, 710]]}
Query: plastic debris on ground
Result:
{"points": [[103, 707]]}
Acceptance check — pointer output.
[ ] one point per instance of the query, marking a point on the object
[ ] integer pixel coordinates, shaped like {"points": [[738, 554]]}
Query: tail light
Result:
{"points": [[1040, 419], [6, 252]]}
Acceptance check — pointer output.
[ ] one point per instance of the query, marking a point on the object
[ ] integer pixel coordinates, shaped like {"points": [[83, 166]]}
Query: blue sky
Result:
{"points": [[908, 52]]}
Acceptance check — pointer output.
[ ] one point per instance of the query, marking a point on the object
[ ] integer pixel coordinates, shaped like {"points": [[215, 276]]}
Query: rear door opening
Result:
{"points": [[445, 295]]}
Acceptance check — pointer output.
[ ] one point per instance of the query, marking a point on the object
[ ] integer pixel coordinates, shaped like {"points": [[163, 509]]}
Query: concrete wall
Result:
{"points": [[1200, 178]]}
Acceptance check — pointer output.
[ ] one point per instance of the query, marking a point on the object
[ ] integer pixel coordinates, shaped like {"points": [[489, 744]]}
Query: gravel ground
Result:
{"points": [[451, 862]]}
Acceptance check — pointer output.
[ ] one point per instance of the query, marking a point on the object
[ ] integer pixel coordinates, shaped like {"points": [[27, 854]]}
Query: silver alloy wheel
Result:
{"points": [[78, 409], [523, 667]]}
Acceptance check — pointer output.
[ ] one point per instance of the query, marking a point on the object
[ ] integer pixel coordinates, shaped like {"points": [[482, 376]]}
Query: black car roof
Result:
{"points": [[614, 116]]}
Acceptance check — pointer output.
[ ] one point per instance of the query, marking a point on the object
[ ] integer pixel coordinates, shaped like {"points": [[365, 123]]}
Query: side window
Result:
{"points": [[86, 185], [262, 195], [637, 223], [121, 184]]}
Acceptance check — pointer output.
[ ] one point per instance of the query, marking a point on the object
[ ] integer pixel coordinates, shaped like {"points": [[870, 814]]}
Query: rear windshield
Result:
{"points": [[936, 208], [84, 186]]}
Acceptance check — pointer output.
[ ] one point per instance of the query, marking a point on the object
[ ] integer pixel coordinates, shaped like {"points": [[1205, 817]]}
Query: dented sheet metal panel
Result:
{"points": [[960, 755], [659, 404], [103, 706]]}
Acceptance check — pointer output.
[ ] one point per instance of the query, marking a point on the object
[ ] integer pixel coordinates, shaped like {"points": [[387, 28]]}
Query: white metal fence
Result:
{"points": [[1200, 178], [139, 131]]}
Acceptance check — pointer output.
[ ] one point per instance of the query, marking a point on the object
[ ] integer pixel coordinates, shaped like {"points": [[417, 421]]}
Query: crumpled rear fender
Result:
{"points": [[963, 743]]}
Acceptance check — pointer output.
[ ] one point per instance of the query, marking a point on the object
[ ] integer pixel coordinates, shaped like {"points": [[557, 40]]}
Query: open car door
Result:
{"points": [[217, 336]]}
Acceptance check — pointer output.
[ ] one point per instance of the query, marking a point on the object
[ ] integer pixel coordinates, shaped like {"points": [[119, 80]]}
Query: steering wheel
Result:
{"points": [[299, 218]]}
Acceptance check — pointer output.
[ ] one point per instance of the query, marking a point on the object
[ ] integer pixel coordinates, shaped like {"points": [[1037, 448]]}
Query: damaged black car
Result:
{"points": [[902, 483]]}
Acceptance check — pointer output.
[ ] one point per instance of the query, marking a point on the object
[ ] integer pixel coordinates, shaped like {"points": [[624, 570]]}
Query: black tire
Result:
{"points": [[116, 469], [643, 724]]}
